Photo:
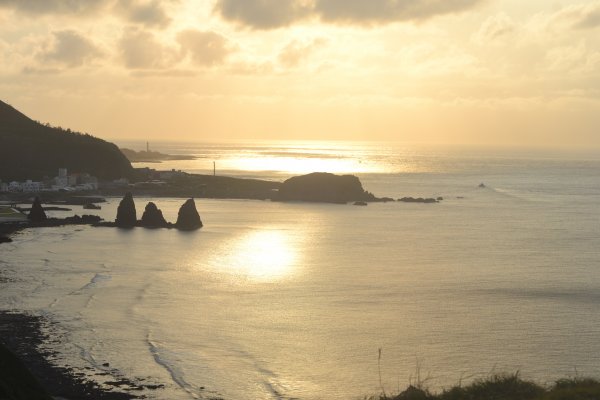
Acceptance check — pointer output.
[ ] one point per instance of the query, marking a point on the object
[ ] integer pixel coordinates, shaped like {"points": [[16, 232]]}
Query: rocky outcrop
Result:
{"points": [[324, 187], [37, 213], [188, 218], [153, 217], [418, 200], [126, 214]]}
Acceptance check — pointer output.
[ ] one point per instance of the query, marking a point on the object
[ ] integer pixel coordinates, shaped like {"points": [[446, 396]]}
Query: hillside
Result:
{"points": [[30, 150]]}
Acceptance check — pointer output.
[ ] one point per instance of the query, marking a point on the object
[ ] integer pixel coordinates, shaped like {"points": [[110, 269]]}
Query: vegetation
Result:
{"points": [[30, 150], [505, 387]]}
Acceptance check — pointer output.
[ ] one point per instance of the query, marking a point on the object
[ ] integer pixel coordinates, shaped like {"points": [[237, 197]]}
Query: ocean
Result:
{"points": [[294, 300]]}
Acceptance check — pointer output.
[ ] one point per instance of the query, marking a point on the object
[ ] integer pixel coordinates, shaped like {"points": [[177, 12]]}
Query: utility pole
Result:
{"points": [[147, 147], [214, 168]]}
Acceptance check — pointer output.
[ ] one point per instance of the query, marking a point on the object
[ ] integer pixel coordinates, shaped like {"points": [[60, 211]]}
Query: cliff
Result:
{"points": [[30, 150]]}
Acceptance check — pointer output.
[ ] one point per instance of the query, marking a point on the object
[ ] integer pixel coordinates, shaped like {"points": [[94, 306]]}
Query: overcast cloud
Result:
{"points": [[268, 14], [70, 48]]}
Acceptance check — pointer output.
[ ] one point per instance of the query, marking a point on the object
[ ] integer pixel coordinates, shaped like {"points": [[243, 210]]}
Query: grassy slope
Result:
{"points": [[507, 387]]}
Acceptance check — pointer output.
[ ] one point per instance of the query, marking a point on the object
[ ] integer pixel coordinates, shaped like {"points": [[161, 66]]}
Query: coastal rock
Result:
{"points": [[188, 218], [126, 214], [37, 213], [418, 200], [4, 239], [153, 217], [324, 187]]}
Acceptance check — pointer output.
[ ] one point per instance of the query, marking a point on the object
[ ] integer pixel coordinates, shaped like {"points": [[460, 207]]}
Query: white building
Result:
{"points": [[89, 181], [30, 186], [15, 186]]}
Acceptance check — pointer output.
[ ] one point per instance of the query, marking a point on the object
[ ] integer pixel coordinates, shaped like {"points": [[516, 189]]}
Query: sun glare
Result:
{"points": [[263, 255], [297, 165]]}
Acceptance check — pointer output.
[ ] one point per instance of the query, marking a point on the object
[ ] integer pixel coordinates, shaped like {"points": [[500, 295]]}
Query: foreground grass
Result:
{"points": [[506, 387]]}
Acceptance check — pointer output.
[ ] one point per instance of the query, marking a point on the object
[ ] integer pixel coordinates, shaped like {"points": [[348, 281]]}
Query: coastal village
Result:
{"points": [[63, 181]]}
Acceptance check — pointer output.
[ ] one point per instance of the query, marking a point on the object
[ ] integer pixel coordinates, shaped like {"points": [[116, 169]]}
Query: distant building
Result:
{"points": [[31, 187], [15, 186], [166, 175], [121, 182], [88, 180], [83, 181]]}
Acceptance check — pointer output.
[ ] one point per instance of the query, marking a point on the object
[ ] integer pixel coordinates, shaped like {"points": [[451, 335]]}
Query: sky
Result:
{"points": [[474, 72]]}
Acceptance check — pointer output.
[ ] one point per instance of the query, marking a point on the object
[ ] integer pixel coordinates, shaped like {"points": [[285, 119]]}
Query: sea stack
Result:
{"points": [[153, 217], [126, 214], [188, 218], [37, 213]]}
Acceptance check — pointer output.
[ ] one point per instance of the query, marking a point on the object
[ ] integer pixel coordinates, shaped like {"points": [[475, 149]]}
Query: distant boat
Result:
{"points": [[91, 206]]}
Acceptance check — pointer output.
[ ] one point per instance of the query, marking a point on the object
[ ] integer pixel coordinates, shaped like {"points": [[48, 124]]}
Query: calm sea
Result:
{"points": [[294, 300]]}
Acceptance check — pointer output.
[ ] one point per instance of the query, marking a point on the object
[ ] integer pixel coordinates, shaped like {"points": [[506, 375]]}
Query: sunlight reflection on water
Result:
{"points": [[263, 255], [294, 158]]}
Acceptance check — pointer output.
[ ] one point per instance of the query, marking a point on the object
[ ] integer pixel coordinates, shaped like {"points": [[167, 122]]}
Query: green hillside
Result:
{"points": [[30, 150]]}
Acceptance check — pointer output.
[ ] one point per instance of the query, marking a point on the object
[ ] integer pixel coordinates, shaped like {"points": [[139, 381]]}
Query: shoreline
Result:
{"points": [[26, 369]]}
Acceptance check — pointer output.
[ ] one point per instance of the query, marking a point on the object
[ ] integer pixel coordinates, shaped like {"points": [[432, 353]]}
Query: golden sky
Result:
{"points": [[498, 72]]}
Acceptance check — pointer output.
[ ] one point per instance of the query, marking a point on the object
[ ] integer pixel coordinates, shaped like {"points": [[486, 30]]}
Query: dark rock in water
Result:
{"points": [[417, 200], [126, 214], [153, 217], [324, 187], [361, 203], [188, 218], [481, 185], [440, 198], [83, 220], [37, 213], [74, 220]]}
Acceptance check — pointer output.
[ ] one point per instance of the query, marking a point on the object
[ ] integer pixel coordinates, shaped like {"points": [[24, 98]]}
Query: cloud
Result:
{"points": [[270, 14], [53, 6], [149, 13], [205, 48], [576, 16], [386, 11], [262, 14], [141, 50], [69, 48], [146, 12], [494, 29], [297, 51], [574, 60], [585, 16]]}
